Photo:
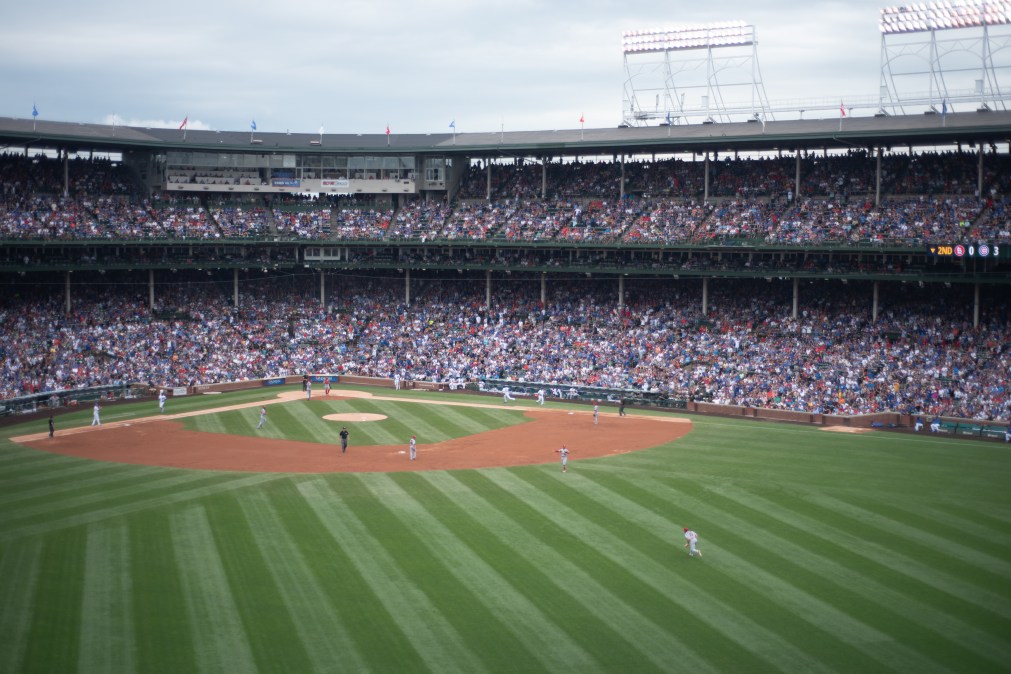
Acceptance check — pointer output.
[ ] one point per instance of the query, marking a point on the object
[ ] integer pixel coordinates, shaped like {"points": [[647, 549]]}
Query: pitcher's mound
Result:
{"points": [[354, 416]]}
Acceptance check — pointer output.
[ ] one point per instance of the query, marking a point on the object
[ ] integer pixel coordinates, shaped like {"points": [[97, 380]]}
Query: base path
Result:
{"points": [[161, 441]]}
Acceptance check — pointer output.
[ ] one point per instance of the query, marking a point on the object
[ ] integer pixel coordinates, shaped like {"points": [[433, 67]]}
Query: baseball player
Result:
{"points": [[263, 417], [1007, 434], [326, 386], [506, 397], [52, 425], [96, 411], [396, 381], [308, 390], [621, 408], [540, 397], [564, 451], [414, 447], [919, 424], [344, 439], [596, 413], [161, 401], [935, 425], [691, 541]]}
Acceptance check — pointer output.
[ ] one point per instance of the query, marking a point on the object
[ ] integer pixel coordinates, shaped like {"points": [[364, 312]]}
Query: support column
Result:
{"points": [[705, 296], [874, 304], [322, 289], [877, 180], [544, 178], [487, 189], [621, 291], [705, 194], [544, 288], [66, 282], [67, 173], [407, 287], [979, 173], [796, 178], [150, 289], [621, 190], [235, 288], [796, 296], [975, 305], [487, 288]]}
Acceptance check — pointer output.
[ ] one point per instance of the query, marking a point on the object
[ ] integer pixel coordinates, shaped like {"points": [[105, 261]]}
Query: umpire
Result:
{"points": [[344, 439]]}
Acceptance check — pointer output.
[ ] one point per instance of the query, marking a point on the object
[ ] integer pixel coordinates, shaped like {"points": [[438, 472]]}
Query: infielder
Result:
{"points": [[414, 447], [308, 390], [161, 401], [263, 417], [540, 397], [505, 395], [96, 411], [564, 451], [596, 413], [691, 541], [344, 439]]}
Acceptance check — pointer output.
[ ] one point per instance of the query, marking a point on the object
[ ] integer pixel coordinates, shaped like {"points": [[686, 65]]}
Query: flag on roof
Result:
{"points": [[842, 109], [581, 118], [387, 129], [35, 111], [452, 124], [186, 121], [252, 125]]}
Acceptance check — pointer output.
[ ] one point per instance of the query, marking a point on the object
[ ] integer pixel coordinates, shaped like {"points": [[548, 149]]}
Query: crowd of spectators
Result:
{"points": [[922, 353], [929, 197]]}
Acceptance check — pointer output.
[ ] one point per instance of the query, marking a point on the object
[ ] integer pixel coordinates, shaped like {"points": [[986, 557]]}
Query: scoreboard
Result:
{"points": [[971, 250]]}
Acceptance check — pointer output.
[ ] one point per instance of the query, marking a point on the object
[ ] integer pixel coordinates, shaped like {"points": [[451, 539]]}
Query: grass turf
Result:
{"points": [[823, 552]]}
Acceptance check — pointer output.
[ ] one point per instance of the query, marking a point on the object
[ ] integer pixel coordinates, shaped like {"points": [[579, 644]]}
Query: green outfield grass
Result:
{"points": [[824, 552]]}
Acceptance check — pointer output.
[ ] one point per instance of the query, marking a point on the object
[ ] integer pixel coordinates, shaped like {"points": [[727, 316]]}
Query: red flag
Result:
{"points": [[842, 109], [580, 118], [387, 129], [185, 120]]}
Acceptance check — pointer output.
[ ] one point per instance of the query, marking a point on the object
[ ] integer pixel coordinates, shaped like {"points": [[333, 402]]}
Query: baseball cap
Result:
{"points": [[686, 528]]}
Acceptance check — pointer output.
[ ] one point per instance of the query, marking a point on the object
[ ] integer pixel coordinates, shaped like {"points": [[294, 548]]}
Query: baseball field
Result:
{"points": [[197, 543]]}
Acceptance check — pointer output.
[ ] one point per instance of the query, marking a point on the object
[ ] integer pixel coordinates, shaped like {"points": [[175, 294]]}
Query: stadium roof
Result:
{"points": [[861, 132]]}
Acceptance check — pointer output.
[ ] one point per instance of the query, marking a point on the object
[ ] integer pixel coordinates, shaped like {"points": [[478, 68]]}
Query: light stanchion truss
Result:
{"points": [[676, 75], [946, 56]]}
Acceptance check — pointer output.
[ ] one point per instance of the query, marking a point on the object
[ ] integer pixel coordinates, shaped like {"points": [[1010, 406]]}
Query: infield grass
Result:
{"points": [[824, 552]]}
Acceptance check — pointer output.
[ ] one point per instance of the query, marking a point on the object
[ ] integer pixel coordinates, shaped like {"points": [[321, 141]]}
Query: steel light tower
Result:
{"points": [[676, 74], [938, 55]]}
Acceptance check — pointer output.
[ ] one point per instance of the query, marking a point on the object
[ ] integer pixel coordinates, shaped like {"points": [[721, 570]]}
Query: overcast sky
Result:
{"points": [[357, 65]]}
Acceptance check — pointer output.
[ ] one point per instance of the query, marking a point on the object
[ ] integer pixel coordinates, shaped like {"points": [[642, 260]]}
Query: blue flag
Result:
{"points": [[668, 118], [35, 111], [252, 126], [944, 107], [452, 124]]}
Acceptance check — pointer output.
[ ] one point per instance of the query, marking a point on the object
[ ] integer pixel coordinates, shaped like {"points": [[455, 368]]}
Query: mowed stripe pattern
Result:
{"points": [[823, 553]]}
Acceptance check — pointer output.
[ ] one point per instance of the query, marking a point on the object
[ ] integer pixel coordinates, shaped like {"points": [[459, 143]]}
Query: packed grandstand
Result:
{"points": [[770, 281]]}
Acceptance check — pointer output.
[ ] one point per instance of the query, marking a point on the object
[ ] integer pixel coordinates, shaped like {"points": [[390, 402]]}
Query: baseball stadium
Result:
{"points": [[787, 334]]}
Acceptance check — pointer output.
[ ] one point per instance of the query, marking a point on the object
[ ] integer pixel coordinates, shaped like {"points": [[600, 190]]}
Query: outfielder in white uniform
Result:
{"points": [[263, 417], [564, 451], [308, 390], [540, 397], [414, 447], [596, 413], [505, 395], [96, 419], [692, 540], [161, 401]]}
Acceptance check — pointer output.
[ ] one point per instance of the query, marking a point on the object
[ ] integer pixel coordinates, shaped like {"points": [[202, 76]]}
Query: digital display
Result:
{"points": [[960, 250]]}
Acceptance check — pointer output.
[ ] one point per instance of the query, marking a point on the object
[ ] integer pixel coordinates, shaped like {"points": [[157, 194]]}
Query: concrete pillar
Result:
{"points": [[150, 289], [877, 179], [796, 296], [705, 194], [979, 172], [407, 288], [66, 293], [975, 305], [322, 289], [621, 189], [544, 178], [705, 296], [796, 177], [875, 303], [544, 288], [487, 190], [487, 288], [621, 292], [66, 172], [235, 288]]}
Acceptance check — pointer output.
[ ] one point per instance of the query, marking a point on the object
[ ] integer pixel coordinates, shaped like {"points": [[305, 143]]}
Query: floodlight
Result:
{"points": [[942, 15]]}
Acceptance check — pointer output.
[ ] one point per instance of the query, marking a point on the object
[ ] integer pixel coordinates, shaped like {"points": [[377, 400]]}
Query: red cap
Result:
{"points": [[686, 528]]}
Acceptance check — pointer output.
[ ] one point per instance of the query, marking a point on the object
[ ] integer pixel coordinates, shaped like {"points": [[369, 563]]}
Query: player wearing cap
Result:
{"points": [[691, 541], [414, 447]]}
